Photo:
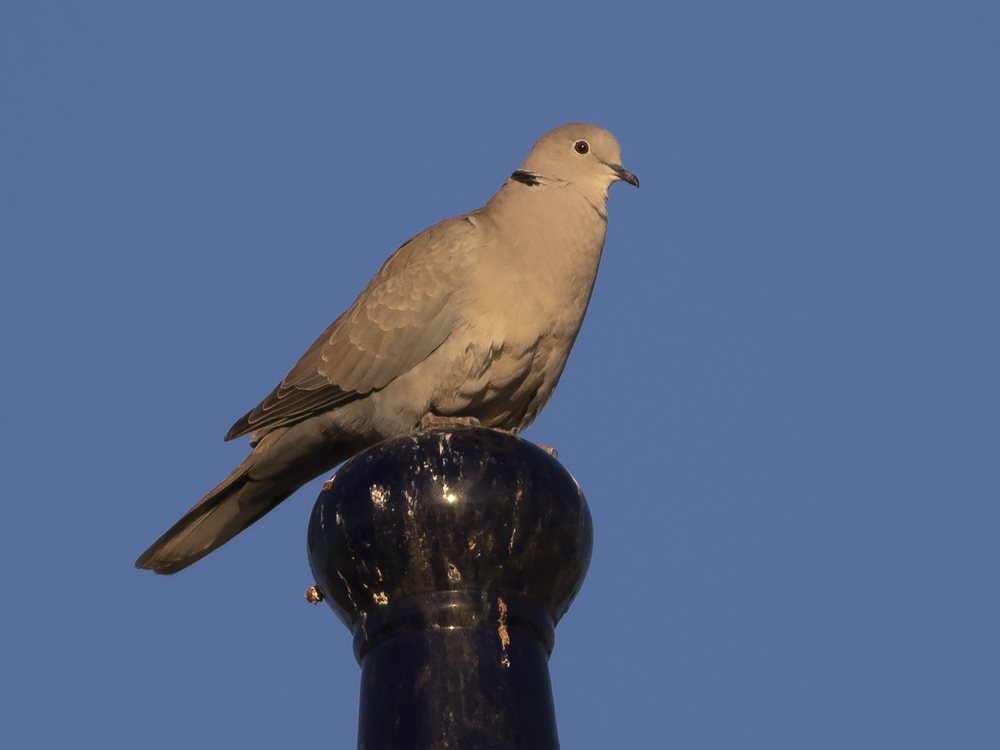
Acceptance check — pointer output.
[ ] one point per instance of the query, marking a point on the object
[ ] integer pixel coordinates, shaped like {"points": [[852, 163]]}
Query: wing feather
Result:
{"points": [[404, 313]]}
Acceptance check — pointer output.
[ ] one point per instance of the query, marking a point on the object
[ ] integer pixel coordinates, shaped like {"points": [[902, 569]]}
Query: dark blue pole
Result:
{"points": [[451, 555]]}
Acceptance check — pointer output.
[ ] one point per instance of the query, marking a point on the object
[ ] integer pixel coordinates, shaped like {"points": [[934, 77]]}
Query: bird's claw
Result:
{"points": [[429, 421]]}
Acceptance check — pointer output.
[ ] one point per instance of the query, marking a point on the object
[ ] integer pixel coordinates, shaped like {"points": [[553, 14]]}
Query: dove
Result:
{"points": [[469, 322]]}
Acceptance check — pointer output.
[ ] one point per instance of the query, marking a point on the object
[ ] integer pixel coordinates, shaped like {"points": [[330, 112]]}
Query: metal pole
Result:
{"points": [[451, 555]]}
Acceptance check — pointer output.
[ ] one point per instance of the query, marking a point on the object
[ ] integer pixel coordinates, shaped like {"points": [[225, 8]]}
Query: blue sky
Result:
{"points": [[784, 406]]}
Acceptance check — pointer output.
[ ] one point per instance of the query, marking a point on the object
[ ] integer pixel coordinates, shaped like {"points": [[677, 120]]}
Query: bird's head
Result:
{"points": [[578, 154]]}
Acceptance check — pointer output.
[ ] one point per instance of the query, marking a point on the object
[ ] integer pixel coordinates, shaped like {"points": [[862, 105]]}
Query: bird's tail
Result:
{"points": [[237, 502]]}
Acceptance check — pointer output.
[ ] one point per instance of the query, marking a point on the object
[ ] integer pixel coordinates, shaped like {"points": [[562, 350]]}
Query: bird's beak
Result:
{"points": [[624, 175]]}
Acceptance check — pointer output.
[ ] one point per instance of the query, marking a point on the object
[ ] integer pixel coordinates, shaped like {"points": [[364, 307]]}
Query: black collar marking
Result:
{"points": [[527, 178]]}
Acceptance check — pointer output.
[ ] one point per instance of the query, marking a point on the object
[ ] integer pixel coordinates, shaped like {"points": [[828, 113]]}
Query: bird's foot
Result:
{"points": [[429, 421]]}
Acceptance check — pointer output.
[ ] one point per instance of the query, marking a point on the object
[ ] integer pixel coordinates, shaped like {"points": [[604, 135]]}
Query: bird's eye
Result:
{"points": [[581, 147]]}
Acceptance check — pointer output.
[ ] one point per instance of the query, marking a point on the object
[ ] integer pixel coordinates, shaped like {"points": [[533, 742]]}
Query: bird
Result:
{"points": [[471, 321]]}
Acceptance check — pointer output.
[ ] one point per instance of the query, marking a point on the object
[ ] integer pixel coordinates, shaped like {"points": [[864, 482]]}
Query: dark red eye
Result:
{"points": [[581, 147]]}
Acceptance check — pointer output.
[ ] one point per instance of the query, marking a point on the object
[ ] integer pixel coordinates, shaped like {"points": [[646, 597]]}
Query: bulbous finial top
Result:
{"points": [[444, 511]]}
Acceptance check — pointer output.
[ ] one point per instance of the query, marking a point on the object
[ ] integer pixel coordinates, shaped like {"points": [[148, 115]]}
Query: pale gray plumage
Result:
{"points": [[474, 317]]}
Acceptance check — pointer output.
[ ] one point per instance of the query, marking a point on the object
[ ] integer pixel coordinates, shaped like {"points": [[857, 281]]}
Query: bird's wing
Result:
{"points": [[404, 314]]}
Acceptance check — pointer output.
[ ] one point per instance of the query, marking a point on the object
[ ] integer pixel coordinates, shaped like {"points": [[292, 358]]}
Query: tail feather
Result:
{"points": [[221, 515], [236, 503]]}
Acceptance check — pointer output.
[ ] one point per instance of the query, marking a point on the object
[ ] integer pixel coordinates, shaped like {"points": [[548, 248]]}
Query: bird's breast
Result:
{"points": [[535, 277], [524, 304]]}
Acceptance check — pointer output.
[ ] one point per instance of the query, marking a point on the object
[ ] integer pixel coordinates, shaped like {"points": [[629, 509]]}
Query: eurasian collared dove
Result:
{"points": [[471, 319]]}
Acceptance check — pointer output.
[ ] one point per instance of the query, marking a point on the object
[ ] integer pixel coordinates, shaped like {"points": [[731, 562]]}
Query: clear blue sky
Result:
{"points": [[784, 406]]}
